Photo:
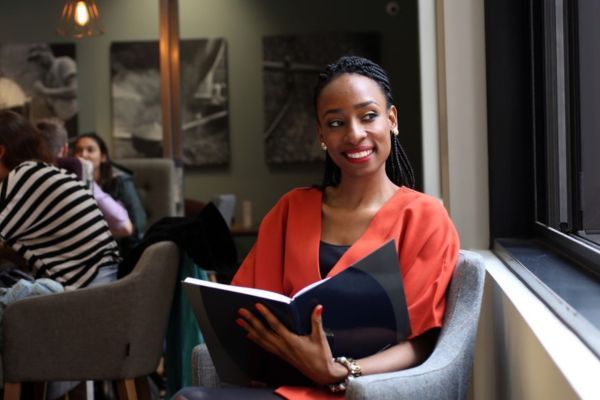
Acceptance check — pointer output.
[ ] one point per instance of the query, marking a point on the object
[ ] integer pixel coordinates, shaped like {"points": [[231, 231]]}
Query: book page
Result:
{"points": [[312, 285], [240, 289]]}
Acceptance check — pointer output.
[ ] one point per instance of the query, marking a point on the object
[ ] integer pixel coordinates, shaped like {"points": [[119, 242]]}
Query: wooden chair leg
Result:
{"points": [[12, 390], [126, 389], [142, 387], [40, 389]]}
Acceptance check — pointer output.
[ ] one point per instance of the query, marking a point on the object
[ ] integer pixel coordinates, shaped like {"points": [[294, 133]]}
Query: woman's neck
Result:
{"points": [[361, 192]]}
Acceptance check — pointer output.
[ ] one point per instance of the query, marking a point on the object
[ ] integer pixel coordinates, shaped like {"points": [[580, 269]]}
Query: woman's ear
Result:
{"points": [[393, 117]]}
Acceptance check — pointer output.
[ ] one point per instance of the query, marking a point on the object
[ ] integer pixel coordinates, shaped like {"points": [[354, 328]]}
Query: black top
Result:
{"points": [[329, 254]]}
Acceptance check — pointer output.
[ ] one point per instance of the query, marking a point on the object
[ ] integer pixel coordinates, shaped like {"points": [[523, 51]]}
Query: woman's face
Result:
{"points": [[87, 148], [355, 123]]}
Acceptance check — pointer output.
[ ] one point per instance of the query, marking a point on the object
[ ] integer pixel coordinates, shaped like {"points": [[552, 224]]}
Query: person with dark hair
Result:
{"points": [[366, 199], [56, 137], [115, 181], [55, 134], [48, 218]]}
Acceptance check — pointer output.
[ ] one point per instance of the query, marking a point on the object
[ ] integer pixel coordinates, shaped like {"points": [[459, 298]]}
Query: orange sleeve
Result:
{"points": [[245, 274], [428, 249]]}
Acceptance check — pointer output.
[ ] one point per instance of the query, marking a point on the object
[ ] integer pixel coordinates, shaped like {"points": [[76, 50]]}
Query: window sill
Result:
{"points": [[579, 365]]}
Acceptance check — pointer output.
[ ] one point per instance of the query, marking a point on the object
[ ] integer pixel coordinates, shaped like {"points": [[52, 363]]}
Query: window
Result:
{"points": [[566, 124], [586, 62], [544, 137]]}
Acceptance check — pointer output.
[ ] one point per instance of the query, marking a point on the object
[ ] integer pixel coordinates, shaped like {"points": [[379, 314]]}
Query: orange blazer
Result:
{"points": [[285, 257]]}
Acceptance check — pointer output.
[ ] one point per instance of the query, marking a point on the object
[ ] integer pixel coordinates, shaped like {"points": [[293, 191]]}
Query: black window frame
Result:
{"points": [[585, 93], [560, 228], [533, 104]]}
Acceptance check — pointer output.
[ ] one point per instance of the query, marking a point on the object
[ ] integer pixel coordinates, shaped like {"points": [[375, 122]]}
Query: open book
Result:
{"points": [[364, 311]]}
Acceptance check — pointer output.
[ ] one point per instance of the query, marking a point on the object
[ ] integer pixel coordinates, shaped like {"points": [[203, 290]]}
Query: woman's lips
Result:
{"points": [[358, 156]]}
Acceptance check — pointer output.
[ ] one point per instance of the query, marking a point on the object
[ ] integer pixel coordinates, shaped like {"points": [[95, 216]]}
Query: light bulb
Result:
{"points": [[82, 17]]}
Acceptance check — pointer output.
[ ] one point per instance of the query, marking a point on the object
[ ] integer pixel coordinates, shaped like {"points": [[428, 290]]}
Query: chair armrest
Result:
{"points": [[421, 382], [203, 370]]}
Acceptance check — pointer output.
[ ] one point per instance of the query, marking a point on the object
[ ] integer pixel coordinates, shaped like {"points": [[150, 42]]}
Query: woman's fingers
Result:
{"points": [[272, 320], [249, 322], [317, 331], [259, 333], [310, 354]]}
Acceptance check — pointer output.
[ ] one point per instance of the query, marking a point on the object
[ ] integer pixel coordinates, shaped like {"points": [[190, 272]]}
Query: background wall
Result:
{"points": [[430, 127], [242, 23], [464, 46]]}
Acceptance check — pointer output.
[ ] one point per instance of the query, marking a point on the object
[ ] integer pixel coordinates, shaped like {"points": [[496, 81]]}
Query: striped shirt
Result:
{"points": [[51, 220]]}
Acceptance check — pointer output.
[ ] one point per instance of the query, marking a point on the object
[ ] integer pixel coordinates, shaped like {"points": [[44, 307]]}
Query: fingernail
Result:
{"points": [[258, 306], [241, 312], [319, 311], [239, 322]]}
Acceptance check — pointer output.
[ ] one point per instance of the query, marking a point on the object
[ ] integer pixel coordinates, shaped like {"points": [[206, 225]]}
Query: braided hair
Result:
{"points": [[397, 166]]}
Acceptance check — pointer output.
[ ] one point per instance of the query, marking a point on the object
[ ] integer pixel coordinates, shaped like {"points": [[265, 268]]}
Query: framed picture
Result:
{"points": [[290, 67], [40, 80], [136, 107]]}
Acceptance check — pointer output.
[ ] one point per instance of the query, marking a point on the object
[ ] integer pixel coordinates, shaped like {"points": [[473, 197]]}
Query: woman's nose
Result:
{"points": [[355, 133]]}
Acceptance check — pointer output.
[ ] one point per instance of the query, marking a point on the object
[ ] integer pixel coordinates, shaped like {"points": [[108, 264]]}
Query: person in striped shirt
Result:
{"points": [[49, 221]]}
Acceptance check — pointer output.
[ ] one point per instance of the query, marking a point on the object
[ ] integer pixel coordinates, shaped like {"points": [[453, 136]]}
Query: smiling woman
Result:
{"points": [[366, 106], [357, 132], [365, 200]]}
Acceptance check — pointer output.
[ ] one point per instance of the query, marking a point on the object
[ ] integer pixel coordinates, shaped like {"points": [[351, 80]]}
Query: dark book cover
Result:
{"points": [[364, 311]]}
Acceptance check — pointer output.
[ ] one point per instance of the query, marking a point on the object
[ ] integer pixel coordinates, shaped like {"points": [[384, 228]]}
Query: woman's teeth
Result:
{"points": [[360, 154]]}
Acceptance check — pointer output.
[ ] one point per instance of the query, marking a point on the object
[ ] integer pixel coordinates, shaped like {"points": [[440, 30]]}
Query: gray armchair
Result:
{"points": [[155, 182], [109, 332], [444, 375]]}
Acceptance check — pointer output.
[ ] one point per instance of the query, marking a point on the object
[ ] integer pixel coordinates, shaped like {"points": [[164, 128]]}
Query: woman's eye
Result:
{"points": [[334, 123], [369, 116]]}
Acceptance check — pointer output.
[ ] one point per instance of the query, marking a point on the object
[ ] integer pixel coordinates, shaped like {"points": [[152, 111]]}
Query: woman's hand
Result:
{"points": [[309, 354]]}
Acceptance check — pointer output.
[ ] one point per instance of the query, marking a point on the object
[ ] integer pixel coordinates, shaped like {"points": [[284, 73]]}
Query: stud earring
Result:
{"points": [[395, 131], [323, 146]]}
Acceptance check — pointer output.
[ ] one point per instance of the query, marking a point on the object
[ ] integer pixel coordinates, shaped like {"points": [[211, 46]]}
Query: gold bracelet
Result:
{"points": [[354, 371]]}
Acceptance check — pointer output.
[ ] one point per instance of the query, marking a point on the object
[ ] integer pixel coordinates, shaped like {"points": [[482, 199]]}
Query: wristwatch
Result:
{"points": [[354, 371]]}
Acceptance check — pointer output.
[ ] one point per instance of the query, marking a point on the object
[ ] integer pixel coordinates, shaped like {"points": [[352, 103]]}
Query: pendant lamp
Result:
{"points": [[79, 19]]}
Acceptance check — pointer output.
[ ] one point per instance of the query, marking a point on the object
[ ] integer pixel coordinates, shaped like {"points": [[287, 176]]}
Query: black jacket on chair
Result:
{"points": [[205, 238]]}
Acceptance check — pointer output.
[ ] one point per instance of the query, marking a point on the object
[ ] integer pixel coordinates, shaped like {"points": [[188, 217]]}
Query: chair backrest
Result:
{"points": [[457, 337], [153, 281], [155, 182], [112, 331]]}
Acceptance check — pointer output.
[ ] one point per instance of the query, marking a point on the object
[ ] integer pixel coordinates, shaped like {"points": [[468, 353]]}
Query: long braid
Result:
{"points": [[397, 165]]}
